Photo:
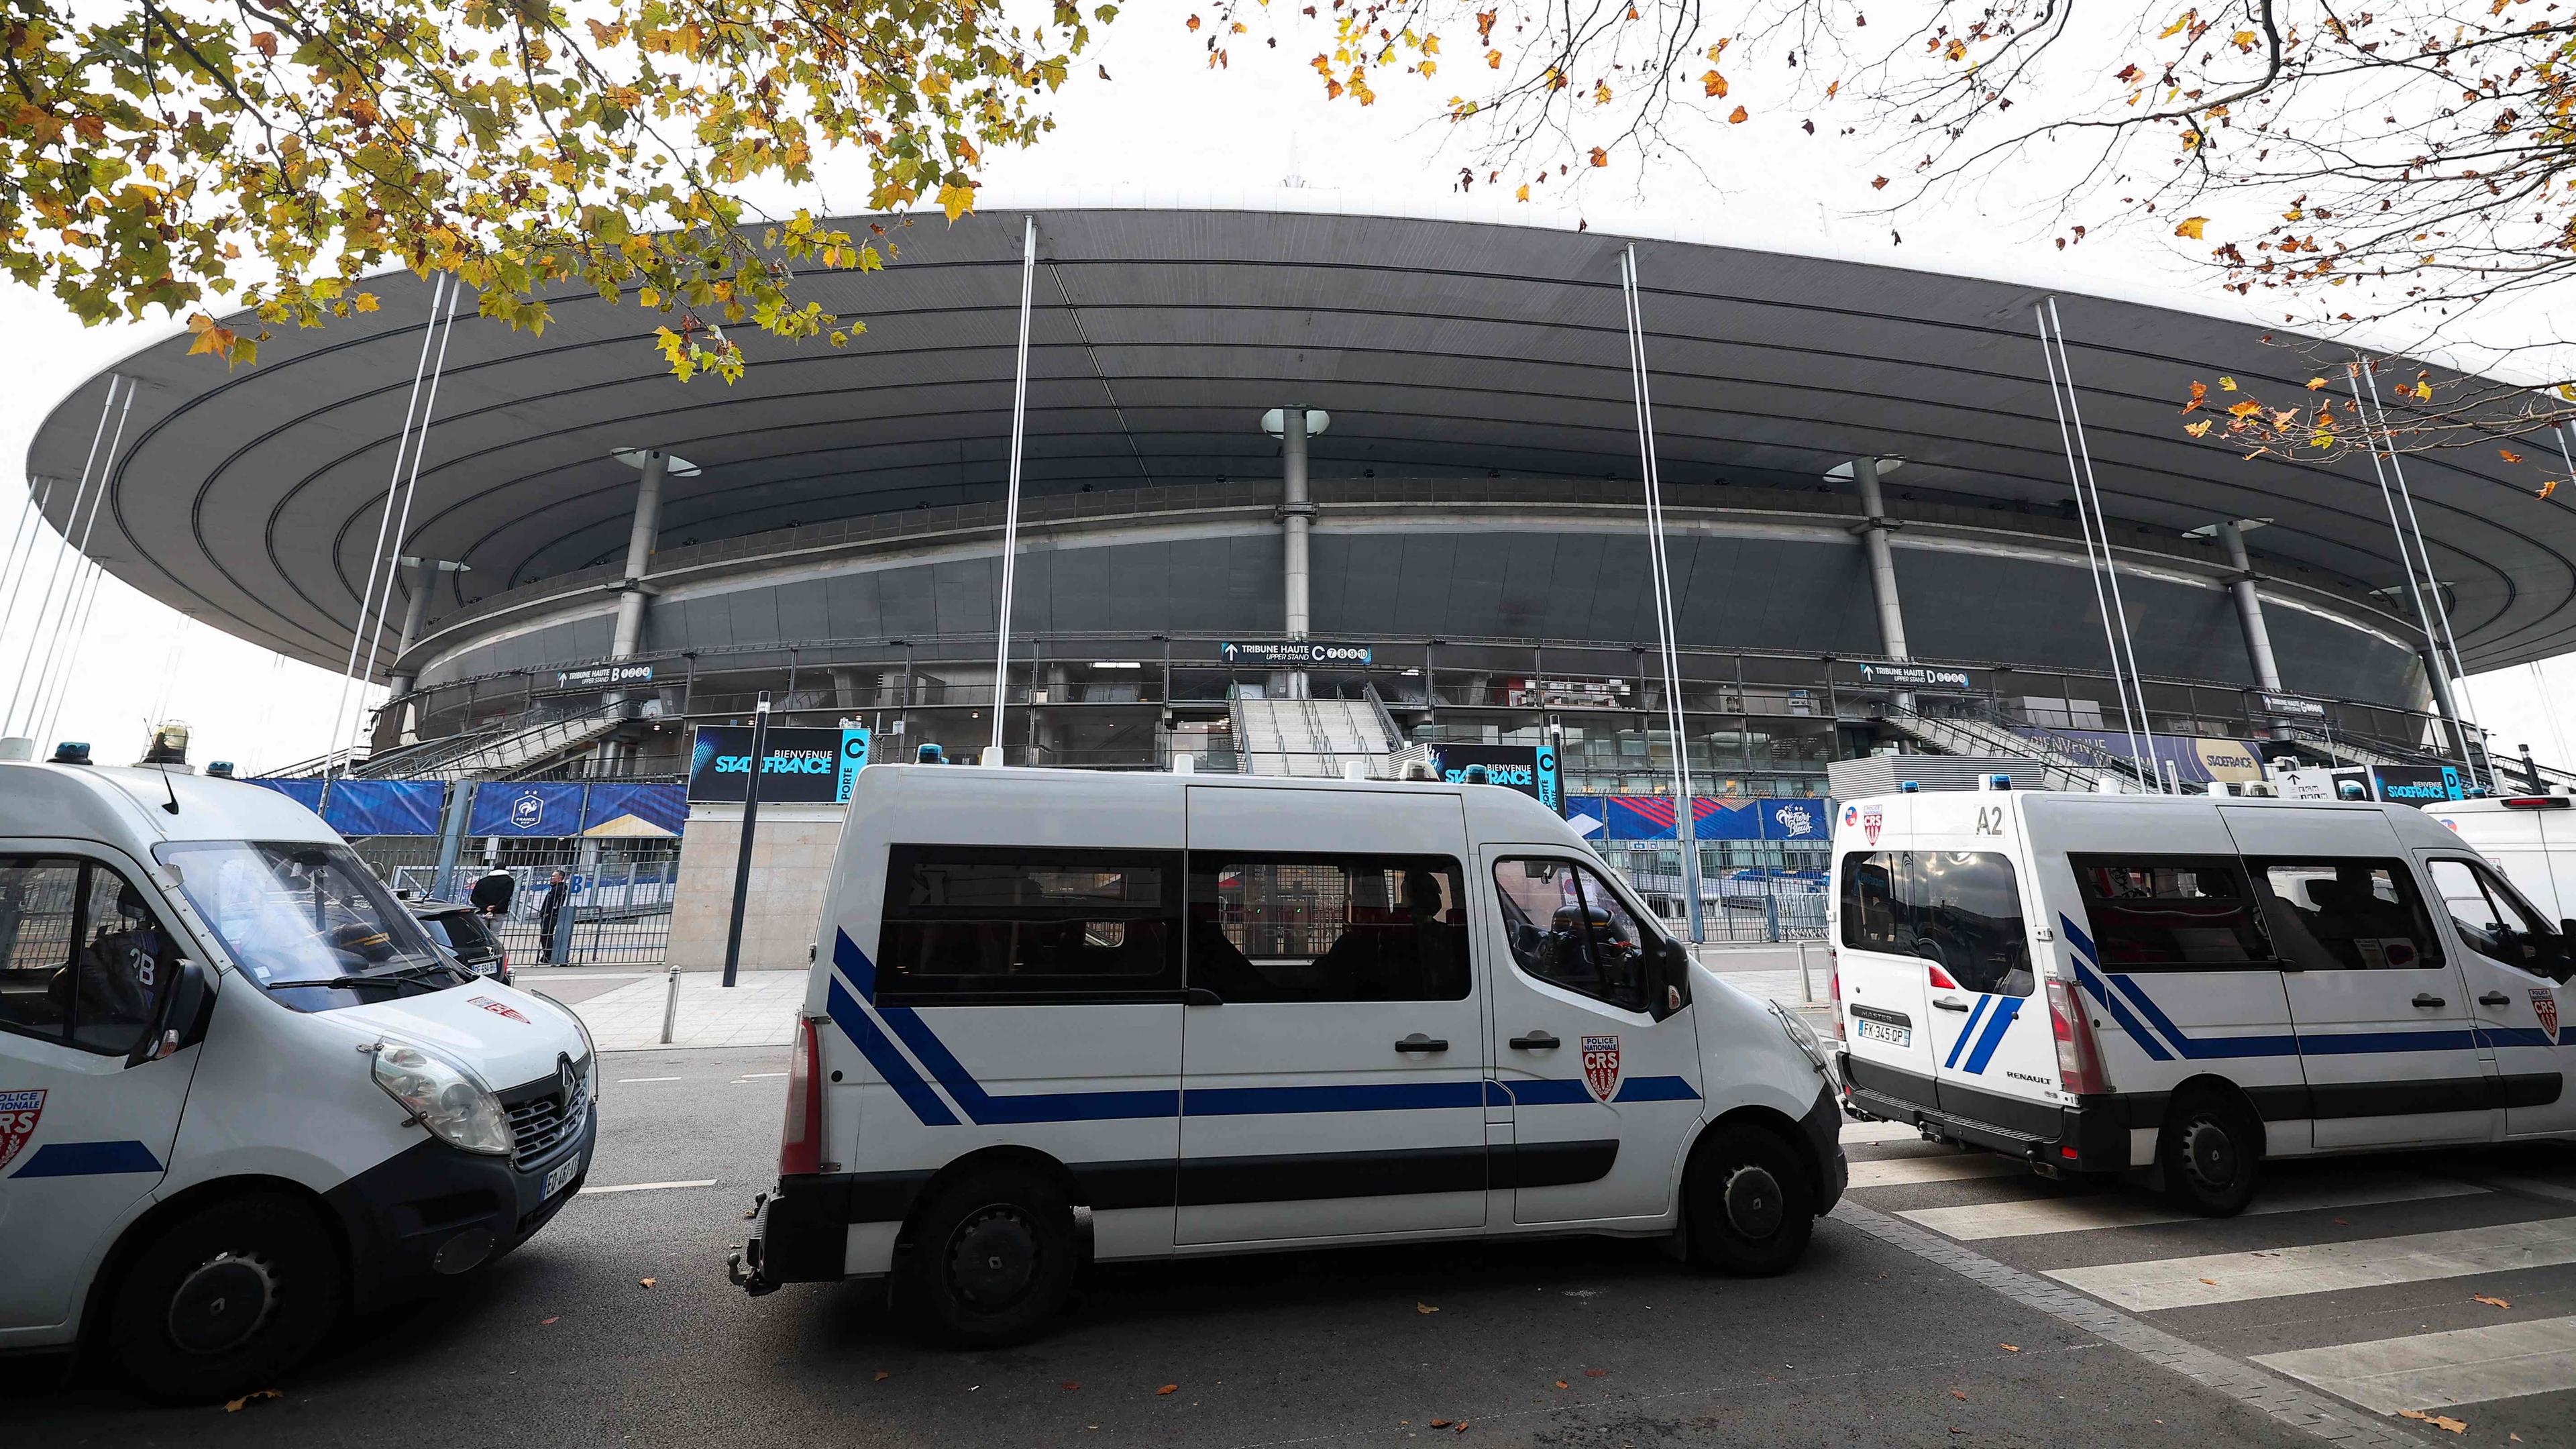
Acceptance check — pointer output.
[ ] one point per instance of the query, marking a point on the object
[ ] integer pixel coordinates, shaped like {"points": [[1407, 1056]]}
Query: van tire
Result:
{"points": [[1749, 1201], [992, 1259], [226, 1300], [2210, 1154]]}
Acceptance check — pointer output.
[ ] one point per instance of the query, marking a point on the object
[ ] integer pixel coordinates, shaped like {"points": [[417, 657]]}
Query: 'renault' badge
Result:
{"points": [[2542, 1003], [19, 1113], [1601, 1066]]}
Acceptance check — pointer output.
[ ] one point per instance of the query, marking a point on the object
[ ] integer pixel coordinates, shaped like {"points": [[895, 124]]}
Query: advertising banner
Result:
{"points": [[2415, 784], [526, 808], [1620, 818], [803, 767], [1530, 769], [622, 808], [2196, 759], [1294, 653]]}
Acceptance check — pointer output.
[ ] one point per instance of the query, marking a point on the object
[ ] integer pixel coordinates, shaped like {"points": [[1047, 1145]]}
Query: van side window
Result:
{"points": [[82, 959], [1567, 927], [2332, 914], [1276, 927], [2170, 910], [1959, 909], [972, 924], [2495, 921]]}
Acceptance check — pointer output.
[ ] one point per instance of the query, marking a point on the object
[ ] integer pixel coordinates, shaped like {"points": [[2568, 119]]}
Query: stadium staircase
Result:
{"points": [[1311, 738], [2066, 763]]}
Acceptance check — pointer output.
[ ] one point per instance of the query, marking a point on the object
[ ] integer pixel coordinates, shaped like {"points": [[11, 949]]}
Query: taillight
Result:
{"points": [[800, 1139], [1834, 982], [2079, 1057]]}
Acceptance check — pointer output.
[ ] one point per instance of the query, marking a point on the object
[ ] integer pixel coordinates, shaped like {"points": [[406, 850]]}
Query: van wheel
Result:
{"points": [[992, 1260], [1751, 1207], [2211, 1155], [226, 1299]]}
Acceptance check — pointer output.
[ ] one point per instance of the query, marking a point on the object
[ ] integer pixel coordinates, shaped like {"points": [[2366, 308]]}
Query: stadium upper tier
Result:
{"points": [[1478, 384]]}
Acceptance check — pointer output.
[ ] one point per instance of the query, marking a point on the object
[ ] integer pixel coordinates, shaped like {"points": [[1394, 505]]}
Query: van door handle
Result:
{"points": [[2495, 998], [1537, 1041], [1949, 1003], [1420, 1043], [2426, 998]]}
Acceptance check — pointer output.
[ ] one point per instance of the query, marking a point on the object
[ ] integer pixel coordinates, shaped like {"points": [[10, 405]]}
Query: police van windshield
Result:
{"points": [[303, 917]]}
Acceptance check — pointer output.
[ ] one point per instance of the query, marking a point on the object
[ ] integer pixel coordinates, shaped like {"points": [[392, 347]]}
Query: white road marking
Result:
{"points": [[1956, 1167], [756, 1076], [630, 1081], [2130, 1210], [2327, 1267], [2435, 1370], [1879, 1132], [2534, 1187], [648, 1186]]}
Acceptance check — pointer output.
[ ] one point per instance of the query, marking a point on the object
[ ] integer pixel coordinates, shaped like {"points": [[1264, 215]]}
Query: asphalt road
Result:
{"points": [[1554, 1343]]}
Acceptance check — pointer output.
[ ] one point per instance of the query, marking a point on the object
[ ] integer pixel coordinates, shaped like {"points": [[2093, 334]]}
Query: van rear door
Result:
{"points": [[1333, 1057], [1887, 1040]]}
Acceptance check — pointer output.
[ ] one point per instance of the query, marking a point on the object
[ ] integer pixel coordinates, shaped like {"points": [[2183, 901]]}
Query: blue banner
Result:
{"points": [[526, 807], [304, 792], [370, 807], [663, 807], [1626, 818]]}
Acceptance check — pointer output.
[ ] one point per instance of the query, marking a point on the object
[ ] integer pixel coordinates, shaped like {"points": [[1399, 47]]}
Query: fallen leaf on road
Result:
{"points": [[1439, 1423], [1069, 1385], [1458, 1428], [882, 1376], [1596, 1373], [235, 1406], [1424, 1308], [1954, 1393], [2212, 1282], [1560, 1383], [542, 1322], [2439, 1421], [2339, 1222], [1167, 1389], [644, 1282], [2009, 1347], [2490, 1302]]}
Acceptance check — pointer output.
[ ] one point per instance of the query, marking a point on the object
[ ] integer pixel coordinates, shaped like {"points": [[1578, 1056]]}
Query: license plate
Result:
{"points": [[1880, 1031], [557, 1177]]}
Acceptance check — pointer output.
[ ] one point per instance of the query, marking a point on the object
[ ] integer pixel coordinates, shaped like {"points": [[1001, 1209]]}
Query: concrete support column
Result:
{"points": [[424, 575], [2249, 607], [1882, 562], [1296, 516], [639, 551]]}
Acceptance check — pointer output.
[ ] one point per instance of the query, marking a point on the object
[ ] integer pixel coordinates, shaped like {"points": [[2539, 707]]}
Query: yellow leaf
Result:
{"points": [[234, 1406], [2191, 227], [217, 341], [1739, 116], [2226, 384], [2488, 1301], [2509, 455], [2169, 33], [1714, 84], [2245, 39], [2438, 1421], [1522, 194], [2423, 392], [1600, 93], [2199, 429], [1424, 1308], [956, 200], [2321, 439], [1955, 50], [2245, 409], [2316, 384], [2548, 488], [644, 1282]]}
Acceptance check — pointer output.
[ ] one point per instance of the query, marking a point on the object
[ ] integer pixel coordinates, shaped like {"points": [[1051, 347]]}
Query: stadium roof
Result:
{"points": [[252, 498]]}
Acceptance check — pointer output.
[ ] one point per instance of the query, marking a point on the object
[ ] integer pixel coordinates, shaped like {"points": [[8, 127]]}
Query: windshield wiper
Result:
{"points": [[342, 983]]}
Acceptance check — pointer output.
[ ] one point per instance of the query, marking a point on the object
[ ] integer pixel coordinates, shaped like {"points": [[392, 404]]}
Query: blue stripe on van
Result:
{"points": [[988, 1110], [1999, 1022], [89, 1159], [1967, 1031], [853, 1021]]}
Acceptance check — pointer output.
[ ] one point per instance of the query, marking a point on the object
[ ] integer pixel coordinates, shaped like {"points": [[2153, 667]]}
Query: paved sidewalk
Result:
{"points": [[760, 1010]]}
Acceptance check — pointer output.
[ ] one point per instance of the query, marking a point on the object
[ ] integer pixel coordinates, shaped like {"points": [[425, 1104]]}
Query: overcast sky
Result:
{"points": [[1165, 128]]}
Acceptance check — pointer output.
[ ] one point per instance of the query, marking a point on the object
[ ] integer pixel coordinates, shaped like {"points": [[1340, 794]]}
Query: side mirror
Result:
{"points": [[1674, 988], [185, 1011]]}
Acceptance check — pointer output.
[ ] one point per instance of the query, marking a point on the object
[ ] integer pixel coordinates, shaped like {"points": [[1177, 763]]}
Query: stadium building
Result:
{"points": [[597, 556]]}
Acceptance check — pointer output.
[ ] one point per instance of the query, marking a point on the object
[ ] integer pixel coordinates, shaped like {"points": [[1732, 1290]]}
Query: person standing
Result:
{"points": [[491, 894], [558, 890]]}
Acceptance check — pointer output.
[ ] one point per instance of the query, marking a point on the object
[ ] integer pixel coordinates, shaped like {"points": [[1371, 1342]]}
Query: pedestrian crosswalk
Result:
{"points": [[2389, 1283]]}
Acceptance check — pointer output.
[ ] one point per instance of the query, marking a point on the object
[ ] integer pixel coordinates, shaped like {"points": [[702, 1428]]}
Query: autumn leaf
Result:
{"points": [[1600, 157], [882, 1376], [2316, 384], [1522, 194], [1167, 1389], [1193, 23], [266, 43], [2509, 455], [2227, 384], [2548, 488], [1424, 1308], [2423, 392], [644, 1282], [2439, 1421], [1714, 84], [1880, 184], [234, 1406], [956, 200], [2490, 1302], [2199, 395], [1560, 1383], [2174, 29], [542, 1322], [1069, 1385], [2246, 409], [2009, 1347], [2199, 429], [1596, 1373], [1439, 1423], [1738, 116], [2191, 227]]}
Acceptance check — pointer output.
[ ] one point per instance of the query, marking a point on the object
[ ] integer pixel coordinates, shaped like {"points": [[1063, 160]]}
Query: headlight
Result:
{"points": [[443, 1097], [589, 1057], [1804, 1038]]}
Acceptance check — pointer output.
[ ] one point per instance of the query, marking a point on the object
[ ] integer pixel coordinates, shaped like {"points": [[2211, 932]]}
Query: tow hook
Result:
{"points": [[742, 1265]]}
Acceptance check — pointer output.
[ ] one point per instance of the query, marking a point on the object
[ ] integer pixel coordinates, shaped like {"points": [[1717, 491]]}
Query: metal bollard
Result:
{"points": [[1806, 984], [671, 1007]]}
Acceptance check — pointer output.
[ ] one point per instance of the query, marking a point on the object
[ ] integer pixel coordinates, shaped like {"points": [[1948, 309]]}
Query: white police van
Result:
{"points": [[2187, 985], [240, 1091], [2531, 838], [1057, 1015]]}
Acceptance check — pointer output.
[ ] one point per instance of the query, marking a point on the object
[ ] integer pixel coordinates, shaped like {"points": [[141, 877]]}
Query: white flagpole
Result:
{"points": [[1011, 507]]}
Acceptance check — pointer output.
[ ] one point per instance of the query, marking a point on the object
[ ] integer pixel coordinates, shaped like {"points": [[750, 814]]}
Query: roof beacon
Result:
{"points": [[930, 754], [1908, 787], [1994, 782], [72, 752]]}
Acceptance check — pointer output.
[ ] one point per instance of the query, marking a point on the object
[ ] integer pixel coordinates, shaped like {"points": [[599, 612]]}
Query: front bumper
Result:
{"points": [[432, 1211], [1823, 1126], [2092, 1135]]}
